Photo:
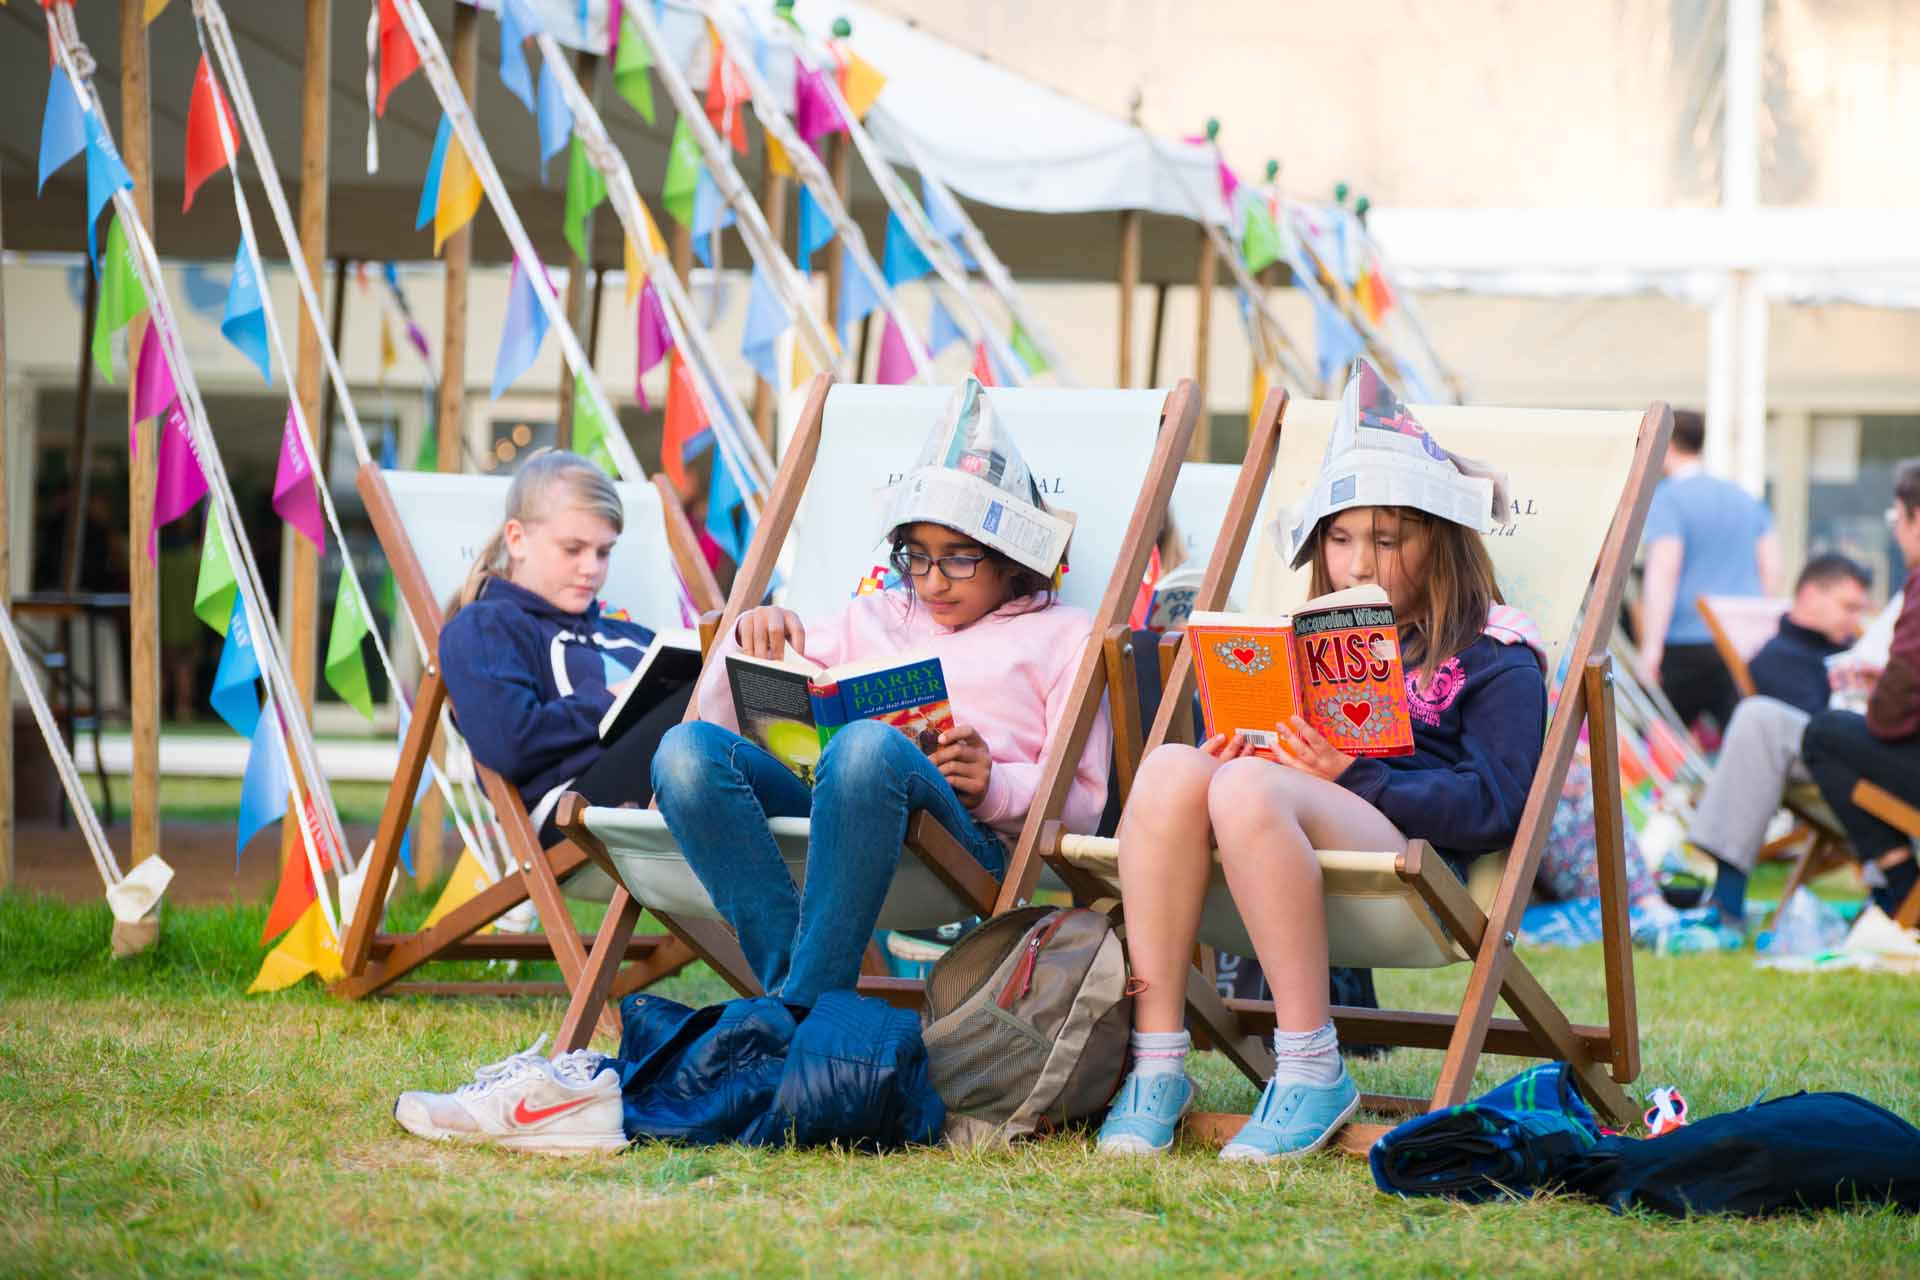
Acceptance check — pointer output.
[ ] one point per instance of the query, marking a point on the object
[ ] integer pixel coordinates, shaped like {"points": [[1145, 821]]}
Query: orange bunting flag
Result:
{"points": [[295, 894], [460, 194], [1375, 295], [726, 91], [860, 84], [983, 367], [686, 420], [398, 58], [207, 119]]}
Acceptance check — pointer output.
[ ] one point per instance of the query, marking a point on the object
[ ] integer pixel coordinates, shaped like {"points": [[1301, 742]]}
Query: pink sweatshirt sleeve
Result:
{"points": [[1011, 785], [827, 643]]}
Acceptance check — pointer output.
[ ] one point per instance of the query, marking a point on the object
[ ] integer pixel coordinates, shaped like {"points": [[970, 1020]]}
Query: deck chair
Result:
{"points": [[1091, 450], [1581, 484], [1199, 496], [1900, 815], [432, 527], [1740, 625]]}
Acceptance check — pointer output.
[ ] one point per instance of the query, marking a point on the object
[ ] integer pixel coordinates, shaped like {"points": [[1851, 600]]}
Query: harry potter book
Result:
{"points": [[792, 708]]}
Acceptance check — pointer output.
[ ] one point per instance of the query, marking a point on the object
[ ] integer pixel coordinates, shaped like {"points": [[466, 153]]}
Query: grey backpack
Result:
{"points": [[1026, 1023]]}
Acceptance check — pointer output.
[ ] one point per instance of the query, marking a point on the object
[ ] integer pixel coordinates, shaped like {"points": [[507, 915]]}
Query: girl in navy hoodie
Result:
{"points": [[1478, 699], [530, 660]]}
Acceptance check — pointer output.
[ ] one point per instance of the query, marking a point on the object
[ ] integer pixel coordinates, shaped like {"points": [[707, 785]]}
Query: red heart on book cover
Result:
{"points": [[1358, 712], [1243, 656]]}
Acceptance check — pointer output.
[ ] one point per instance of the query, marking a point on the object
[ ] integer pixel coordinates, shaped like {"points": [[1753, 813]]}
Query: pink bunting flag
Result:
{"points": [[1228, 183], [294, 497], [656, 339], [615, 12], [153, 380], [179, 483], [813, 110], [896, 362]]}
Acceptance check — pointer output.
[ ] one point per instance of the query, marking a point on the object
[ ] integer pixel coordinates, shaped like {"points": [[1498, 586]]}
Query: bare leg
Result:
{"points": [[1268, 820], [1166, 855]]}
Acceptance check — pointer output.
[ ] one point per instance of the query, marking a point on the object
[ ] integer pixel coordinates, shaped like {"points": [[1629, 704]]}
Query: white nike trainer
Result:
{"points": [[558, 1107]]}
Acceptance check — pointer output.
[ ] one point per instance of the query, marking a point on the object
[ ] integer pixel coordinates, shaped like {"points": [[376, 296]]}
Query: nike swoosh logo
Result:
{"points": [[523, 1115]]}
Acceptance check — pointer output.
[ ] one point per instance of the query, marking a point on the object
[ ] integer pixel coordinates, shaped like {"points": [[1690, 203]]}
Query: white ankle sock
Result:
{"points": [[1306, 1057], [1159, 1053]]}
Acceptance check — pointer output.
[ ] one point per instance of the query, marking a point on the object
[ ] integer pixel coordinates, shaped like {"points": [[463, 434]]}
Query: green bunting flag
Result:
{"points": [[346, 667], [427, 456], [590, 430], [1023, 346], [214, 591], [631, 63], [121, 297], [1261, 243], [683, 175], [586, 188]]}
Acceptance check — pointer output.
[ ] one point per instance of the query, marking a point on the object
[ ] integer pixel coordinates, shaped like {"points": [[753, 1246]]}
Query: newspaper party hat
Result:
{"points": [[970, 477], [1380, 456]]}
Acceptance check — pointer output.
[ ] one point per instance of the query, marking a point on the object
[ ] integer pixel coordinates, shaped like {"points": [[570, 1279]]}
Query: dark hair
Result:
{"points": [[1689, 431], [1906, 483], [1022, 583], [1458, 592], [1828, 568]]}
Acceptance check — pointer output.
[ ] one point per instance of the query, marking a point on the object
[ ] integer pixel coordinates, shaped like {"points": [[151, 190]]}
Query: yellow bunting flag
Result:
{"points": [[460, 194], [1260, 389], [777, 161], [153, 10], [466, 882], [862, 84], [306, 948]]}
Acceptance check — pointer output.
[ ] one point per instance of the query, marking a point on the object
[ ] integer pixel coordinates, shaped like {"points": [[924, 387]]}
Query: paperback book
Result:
{"points": [[792, 707]]}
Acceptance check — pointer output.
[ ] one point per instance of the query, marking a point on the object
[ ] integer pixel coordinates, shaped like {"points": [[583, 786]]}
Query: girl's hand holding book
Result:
{"points": [[1302, 747], [963, 760], [766, 632], [1227, 746]]}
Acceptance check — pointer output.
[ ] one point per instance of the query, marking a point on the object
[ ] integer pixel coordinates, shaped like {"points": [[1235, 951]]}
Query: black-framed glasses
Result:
{"points": [[918, 564]]}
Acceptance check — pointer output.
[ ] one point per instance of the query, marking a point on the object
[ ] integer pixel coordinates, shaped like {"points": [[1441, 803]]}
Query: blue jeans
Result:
{"points": [[717, 790]]}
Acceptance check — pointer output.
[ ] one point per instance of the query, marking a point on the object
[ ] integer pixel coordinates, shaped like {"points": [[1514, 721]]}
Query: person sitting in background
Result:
{"points": [[1829, 601], [1883, 746], [1703, 537]]}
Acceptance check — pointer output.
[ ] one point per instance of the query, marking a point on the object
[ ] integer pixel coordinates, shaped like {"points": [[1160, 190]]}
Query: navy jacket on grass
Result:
{"points": [[529, 683], [1793, 667], [1479, 724]]}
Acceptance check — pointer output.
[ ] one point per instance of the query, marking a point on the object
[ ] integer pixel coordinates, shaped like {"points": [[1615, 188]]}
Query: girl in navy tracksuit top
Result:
{"points": [[530, 659], [1478, 699]]}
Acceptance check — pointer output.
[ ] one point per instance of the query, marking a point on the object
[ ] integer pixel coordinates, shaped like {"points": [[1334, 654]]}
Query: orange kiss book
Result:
{"points": [[1335, 662]]}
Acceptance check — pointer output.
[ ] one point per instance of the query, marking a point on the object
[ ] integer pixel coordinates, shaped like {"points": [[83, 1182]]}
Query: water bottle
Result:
{"points": [[1806, 926]]}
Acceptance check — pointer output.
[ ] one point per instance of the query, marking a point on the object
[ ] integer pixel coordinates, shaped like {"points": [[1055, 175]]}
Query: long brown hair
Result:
{"points": [[1456, 592], [550, 480]]}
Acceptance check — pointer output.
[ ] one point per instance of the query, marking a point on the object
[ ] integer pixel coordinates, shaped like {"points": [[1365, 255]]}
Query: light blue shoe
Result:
{"points": [[1144, 1113], [1294, 1120]]}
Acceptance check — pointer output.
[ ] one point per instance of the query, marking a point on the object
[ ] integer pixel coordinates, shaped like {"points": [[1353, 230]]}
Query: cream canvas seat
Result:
{"points": [[1109, 457], [1580, 484]]}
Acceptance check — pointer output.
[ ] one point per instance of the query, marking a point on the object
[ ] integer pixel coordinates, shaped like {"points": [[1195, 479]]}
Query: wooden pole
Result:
{"points": [[1129, 285], [773, 203], [680, 246], [336, 325], [6, 594], [143, 629], [1154, 344], [80, 468], [587, 67], [430, 845], [840, 158], [303, 618], [1202, 447]]}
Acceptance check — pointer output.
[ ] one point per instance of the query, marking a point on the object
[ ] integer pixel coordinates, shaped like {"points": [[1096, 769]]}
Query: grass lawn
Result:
{"points": [[155, 1119]]}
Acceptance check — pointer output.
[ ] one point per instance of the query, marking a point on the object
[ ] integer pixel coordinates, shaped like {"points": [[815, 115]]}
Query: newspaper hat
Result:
{"points": [[970, 477], [1380, 456]]}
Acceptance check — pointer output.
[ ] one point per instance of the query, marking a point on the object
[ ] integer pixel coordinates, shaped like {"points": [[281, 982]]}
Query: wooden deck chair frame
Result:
{"points": [[1603, 1057], [375, 962], [926, 839], [1901, 816]]}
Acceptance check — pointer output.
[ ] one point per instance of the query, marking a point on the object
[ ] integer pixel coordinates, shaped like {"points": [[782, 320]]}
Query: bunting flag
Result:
{"points": [[683, 175], [389, 349], [63, 130], [295, 499], [711, 215], [860, 84], [983, 367], [121, 298], [466, 882], [521, 336], [244, 322], [458, 195], [1260, 388], [234, 695], [656, 243], [1374, 294], [895, 367], [1335, 338], [1024, 347], [153, 10], [725, 92], [942, 332], [586, 188], [632, 268], [215, 590], [105, 175], [857, 301], [814, 114], [767, 319], [727, 520], [152, 382], [655, 338], [436, 165], [1260, 239], [777, 161], [902, 259], [552, 117], [590, 430], [946, 218], [291, 900], [398, 58], [516, 25], [816, 230], [1229, 181], [346, 665], [207, 121], [632, 65], [307, 949], [179, 483], [685, 428]]}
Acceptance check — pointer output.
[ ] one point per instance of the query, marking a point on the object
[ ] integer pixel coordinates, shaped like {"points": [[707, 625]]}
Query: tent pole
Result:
{"points": [[586, 67], [1129, 285], [6, 594], [1159, 333], [80, 466], [841, 162], [1201, 448], [143, 622], [773, 202], [303, 620]]}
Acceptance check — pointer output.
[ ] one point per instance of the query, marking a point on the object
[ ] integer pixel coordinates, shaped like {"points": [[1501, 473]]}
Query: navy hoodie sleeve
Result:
{"points": [[492, 681], [1473, 805], [1795, 676]]}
